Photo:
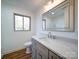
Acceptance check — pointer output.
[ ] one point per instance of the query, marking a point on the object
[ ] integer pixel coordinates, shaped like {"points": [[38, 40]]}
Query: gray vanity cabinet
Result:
{"points": [[39, 51]]}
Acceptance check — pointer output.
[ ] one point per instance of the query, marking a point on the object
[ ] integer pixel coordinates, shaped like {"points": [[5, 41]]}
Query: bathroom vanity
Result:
{"points": [[59, 18], [46, 48]]}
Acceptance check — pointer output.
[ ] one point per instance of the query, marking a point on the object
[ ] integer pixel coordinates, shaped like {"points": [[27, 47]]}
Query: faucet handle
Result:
{"points": [[54, 37], [49, 34]]}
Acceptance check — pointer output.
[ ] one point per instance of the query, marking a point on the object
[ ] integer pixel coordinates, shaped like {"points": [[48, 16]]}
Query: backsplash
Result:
{"points": [[70, 35]]}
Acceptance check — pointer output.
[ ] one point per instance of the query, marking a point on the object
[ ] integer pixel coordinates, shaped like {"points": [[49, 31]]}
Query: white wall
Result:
{"points": [[12, 40], [72, 35]]}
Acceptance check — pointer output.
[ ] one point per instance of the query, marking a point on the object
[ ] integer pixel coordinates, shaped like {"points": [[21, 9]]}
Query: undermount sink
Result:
{"points": [[42, 37], [46, 39]]}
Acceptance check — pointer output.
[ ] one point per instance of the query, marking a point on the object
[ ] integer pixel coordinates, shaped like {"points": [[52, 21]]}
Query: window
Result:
{"points": [[21, 22], [44, 24]]}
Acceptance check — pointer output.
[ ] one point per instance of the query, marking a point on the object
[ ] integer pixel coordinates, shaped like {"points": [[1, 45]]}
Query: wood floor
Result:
{"points": [[18, 55]]}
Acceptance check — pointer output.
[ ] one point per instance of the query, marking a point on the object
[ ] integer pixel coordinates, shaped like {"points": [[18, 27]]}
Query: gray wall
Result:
{"points": [[10, 39]]}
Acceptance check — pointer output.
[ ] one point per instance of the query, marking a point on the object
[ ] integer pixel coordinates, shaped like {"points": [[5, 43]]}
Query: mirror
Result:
{"points": [[58, 18]]}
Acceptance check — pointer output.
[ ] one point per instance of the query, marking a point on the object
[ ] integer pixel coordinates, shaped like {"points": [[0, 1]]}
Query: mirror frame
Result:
{"points": [[70, 24]]}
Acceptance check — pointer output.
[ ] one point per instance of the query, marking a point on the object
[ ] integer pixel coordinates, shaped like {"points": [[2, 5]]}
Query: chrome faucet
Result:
{"points": [[51, 36]]}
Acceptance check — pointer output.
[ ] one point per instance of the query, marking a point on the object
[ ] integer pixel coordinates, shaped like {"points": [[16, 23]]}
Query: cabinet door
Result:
{"points": [[54, 56], [41, 55], [42, 52]]}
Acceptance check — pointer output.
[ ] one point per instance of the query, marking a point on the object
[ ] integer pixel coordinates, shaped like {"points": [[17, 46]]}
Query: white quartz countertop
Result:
{"points": [[62, 48]]}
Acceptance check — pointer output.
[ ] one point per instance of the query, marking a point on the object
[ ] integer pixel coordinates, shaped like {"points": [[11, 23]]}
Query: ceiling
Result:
{"points": [[32, 5]]}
